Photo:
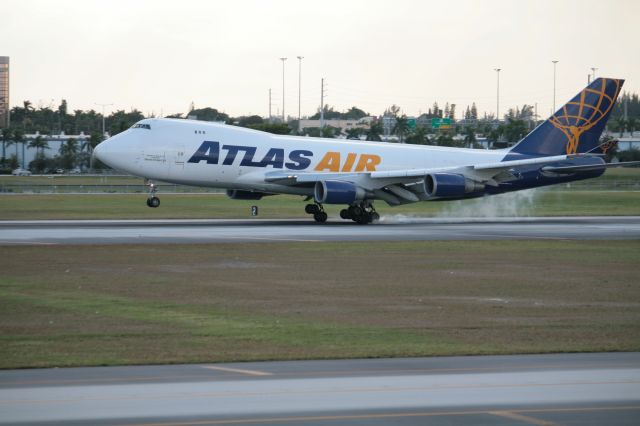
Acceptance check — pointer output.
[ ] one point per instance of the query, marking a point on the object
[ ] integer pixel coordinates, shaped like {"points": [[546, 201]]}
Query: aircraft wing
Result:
{"points": [[588, 167], [373, 180], [408, 185]]}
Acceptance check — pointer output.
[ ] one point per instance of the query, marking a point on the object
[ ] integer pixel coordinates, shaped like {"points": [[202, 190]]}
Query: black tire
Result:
{"points": [[154, 202], [320, 217], [355, 211], [363, 219], [344, 214], [148, 202], [311, 209]]}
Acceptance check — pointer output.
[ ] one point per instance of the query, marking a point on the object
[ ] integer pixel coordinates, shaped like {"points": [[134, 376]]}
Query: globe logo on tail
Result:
{"points": [[585, 111]]}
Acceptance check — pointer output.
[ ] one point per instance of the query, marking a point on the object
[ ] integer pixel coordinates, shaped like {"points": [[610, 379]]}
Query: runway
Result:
{"points": [[393, 228], [492, 390]]}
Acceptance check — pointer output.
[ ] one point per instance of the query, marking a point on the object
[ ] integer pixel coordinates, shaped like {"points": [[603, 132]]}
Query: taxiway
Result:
{"points": [[492, 390]]}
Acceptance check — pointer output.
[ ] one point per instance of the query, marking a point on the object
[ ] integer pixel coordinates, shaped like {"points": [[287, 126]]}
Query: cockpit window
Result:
{"points": [[141, 126]]}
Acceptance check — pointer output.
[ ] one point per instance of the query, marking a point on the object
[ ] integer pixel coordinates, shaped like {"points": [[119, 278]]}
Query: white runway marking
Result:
{"points": [[239, 370]]}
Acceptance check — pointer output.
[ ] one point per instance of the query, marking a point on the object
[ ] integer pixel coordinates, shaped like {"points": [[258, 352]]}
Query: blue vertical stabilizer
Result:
{"points": [[574, 128]]}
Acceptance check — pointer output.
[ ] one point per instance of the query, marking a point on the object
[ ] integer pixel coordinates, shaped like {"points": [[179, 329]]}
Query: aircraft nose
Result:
{"points": [[114, 152], [97, 150], [103, 151]]}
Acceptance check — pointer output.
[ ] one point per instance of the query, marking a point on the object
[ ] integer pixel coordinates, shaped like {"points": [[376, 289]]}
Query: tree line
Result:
{"points": [[46, 120]]}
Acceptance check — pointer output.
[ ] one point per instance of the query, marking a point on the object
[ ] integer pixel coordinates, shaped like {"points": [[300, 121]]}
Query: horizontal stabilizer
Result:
{"points": [[587, 167]]}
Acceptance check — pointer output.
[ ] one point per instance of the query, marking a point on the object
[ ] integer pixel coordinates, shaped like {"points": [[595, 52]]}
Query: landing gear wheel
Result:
{"points": [[355, 211], [320, 217], [153, 202], [363, 219], [312, 209], [317, 211], [362, 213]]}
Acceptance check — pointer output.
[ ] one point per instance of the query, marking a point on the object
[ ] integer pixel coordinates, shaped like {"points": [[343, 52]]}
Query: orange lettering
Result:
{"points": [[368, 162], [330, 162], [348, 164]]}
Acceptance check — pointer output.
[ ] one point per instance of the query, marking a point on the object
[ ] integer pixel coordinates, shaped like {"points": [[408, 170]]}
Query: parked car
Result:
{"points": [[60, 171], [75, 171], [21, 172]]}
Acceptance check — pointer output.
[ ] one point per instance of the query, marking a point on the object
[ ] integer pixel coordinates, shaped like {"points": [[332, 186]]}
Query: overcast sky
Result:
{"points": [[159, 56]]}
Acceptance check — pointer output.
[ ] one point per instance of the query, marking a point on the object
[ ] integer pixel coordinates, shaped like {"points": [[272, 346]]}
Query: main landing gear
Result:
{"points": [[362, 213], [319, 215], [152, 200]]}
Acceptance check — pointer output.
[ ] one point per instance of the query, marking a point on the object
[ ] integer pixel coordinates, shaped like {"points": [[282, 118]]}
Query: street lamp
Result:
{"points": [[283, 59], [554, 86], [299, 88], [497, 70], [103, 105], [593, 69]]}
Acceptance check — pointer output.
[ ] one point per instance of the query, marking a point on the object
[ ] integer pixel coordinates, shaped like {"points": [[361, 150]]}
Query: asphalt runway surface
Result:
{"points": [[393, 228], [585, 389]]}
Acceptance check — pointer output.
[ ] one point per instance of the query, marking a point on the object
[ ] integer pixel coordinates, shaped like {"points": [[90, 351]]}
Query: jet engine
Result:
{"points": [[450, 185], [337, 192]]}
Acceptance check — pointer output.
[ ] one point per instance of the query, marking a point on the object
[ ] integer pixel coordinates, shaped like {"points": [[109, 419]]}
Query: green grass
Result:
{"points": [[201, 206], [106, 305]]}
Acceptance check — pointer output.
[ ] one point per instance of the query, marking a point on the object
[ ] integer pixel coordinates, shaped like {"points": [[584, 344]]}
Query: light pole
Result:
{"points": [[497, 70], [299, 88], [593, 69], [103, 106], [283, 59], [554, 86]]}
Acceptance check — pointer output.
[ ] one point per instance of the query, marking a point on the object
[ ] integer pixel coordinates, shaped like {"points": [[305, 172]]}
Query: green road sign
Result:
{"points": [[441, 123], [411, 122]]}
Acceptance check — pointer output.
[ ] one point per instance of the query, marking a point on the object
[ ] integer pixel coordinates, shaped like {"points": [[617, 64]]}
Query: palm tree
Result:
{"points": [[470, 136], [68, 151], [27, 107], [619, 124], [6, 141], [402, 127], [419, 136], [354, 133], [632, 122], [87, 147], [18, 138], [375, 130], [40, 161], [39, 143]]}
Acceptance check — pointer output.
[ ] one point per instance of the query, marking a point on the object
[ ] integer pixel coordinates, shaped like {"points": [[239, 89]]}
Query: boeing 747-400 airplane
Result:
{"points": [[251, 164]]}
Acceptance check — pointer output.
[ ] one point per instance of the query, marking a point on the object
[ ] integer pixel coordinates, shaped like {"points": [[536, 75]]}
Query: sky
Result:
{"points": [[160, 56]]}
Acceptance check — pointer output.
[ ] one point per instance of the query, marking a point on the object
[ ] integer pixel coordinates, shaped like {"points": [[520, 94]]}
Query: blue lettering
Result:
{"points": [[233, 152], [299, 160], [208, 151], [274, 158]]}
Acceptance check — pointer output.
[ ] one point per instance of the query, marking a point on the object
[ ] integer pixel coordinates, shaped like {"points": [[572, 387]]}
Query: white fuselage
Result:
{"points": [[167, 150]]}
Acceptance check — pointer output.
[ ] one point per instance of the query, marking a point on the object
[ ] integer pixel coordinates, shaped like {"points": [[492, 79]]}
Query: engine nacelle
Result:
{"points": [[337, 192], [237, 194], [450, 185]]}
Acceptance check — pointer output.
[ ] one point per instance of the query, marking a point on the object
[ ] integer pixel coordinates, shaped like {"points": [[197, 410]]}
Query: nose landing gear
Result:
{"points": [[319, 215], [152, 200]]}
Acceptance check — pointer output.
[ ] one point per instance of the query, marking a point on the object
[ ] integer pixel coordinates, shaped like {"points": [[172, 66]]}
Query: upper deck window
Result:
{"points": [[141, 126]]}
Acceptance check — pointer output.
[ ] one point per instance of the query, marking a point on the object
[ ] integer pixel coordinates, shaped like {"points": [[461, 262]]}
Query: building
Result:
{"points": [[4, 91], [344, 125]]}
